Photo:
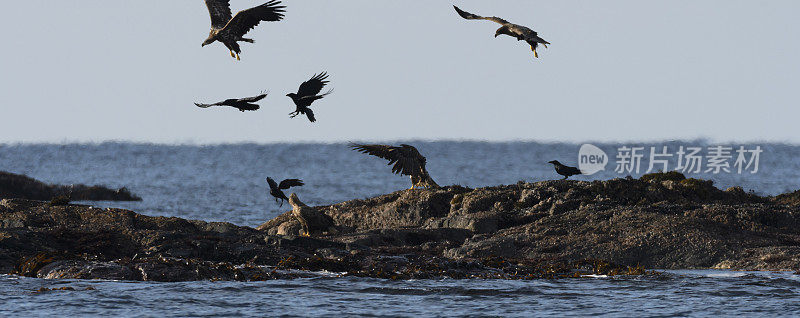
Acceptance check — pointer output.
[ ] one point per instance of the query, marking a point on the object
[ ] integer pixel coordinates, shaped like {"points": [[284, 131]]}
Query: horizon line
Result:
{"points": [[697, 140]]}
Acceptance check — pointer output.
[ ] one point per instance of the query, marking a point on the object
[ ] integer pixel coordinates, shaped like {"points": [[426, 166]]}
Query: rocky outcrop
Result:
{"points": [[20, 186], [38, 239], [660, 221], [526, 230]]}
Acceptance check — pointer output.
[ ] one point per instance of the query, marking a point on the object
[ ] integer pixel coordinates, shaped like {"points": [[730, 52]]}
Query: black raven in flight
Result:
{"points": [[307, 94], [241, 104], [276, 190]]}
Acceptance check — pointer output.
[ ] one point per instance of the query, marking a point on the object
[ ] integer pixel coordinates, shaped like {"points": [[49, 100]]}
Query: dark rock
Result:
{"points": [[24, 187], [404, 237], [304, 242], [473, 223], [792, 198], [86, 270]]}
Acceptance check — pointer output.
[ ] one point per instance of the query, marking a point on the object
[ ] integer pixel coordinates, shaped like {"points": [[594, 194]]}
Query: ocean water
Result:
{"points": [[227, 183], [673, 294]]}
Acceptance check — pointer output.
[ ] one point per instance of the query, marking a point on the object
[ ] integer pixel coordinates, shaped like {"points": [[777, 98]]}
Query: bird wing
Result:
{"points": [[413, 161], [470, 16], [220, 12], [246, 20], [313, 86], [574, 170], [222, 103], [288, 183], [311, 98], [253, 99], [272, 184], [403, 163], [382, 151]]}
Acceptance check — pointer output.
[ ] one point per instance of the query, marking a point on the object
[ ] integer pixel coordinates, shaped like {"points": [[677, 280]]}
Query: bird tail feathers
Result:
{"points": [[310, 115]]}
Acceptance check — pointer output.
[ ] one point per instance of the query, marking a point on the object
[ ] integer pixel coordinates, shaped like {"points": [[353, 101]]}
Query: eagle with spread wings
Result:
{"points": [[406, 160], [242, 104], [515, 30], [307, 94], [231, 30]]}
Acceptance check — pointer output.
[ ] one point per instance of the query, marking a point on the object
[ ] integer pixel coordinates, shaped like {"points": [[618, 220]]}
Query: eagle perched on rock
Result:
{"points": [[510, 29], [406, 160], [311, 220], [231, 30]]}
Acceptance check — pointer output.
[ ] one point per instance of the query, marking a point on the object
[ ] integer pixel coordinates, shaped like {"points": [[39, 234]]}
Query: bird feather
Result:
{"points": [[246, 20], [220, 12], [288, 183]]}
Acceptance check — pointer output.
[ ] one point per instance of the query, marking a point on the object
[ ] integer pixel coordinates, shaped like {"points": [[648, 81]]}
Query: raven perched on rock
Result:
{"points": [[231, 30], [275, 189], [510, 29], [406, 159], [307, 94], [241, 104], [565, 171]]}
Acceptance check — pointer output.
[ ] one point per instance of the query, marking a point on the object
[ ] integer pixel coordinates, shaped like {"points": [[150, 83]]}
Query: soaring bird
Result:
{"points": [[307, 94], [510, 29], [406, 159], [565, 171], [275, 189], [310, 219], [241, 104], [231, 30]]}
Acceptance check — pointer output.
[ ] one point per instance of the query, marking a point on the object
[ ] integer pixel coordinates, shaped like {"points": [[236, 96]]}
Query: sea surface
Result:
{"points": [[227, 183]]}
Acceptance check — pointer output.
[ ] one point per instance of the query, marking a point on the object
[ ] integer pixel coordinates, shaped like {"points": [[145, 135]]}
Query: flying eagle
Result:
{"points": [[241, 104], [565, 171], [510, 29], [275, 189], [230, 30], [406, 159], [307, 94]]}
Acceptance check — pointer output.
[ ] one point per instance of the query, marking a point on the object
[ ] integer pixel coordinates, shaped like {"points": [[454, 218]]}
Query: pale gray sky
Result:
{"points": [[616, 70]]}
